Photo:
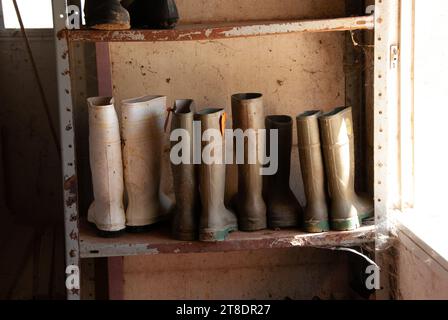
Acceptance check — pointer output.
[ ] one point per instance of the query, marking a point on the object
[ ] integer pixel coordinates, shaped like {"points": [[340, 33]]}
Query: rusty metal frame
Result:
{"points": [[70, 185], [225, 30]]}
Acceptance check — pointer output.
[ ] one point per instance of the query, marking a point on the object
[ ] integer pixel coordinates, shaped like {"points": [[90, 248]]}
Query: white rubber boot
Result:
{"points": [[143, 136], [107, 211]]}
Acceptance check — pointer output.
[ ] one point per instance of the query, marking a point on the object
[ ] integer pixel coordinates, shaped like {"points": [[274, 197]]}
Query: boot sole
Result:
{"points": [[138, 229], [366, 216], [317, 227], [111, 26], [345, 224], [184, 236], [107, 234], [216, 235], [278, 224], [251, 227]]}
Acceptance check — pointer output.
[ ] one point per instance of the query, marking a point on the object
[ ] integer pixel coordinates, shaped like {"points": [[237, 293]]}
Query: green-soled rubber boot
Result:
{"points": [[313, 173], [347, 208], [185, 217], [216, 221]]}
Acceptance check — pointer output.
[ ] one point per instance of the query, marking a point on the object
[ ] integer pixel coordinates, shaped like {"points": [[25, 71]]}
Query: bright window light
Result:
{"points": [[36, 14]]}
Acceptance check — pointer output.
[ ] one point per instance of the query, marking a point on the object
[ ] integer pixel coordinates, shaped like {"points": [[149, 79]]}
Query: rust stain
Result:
{"points": [[73, 217], [71, 201], [73, 235], [65, 73], [72, 253], [70, 184]]}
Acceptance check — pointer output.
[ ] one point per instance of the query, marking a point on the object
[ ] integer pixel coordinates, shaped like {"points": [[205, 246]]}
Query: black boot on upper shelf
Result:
{"points": [[152, 14], [106, 15]]}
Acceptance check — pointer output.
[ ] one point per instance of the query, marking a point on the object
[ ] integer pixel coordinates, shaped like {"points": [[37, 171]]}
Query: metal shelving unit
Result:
{"points": [[81, 241]]}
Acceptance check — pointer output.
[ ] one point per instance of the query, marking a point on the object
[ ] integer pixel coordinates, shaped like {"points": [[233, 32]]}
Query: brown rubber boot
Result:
{"points": [[248, 113], [347, 208], [283, 208], [185, 218], [216, 220], [106, 15], [313, 172], [152, 14]]}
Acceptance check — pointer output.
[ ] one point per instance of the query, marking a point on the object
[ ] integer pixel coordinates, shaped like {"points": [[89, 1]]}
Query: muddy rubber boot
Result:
{"points": [[216, 220], [107, 210], [152, 14], [143, 120], [106, 15], [315, 218], [185, 218], [284, 210], [248, 113], [347, 208]]}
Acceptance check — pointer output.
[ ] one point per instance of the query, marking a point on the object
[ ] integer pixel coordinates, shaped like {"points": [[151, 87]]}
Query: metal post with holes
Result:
{"points": [[385, 127], [70, 185]]}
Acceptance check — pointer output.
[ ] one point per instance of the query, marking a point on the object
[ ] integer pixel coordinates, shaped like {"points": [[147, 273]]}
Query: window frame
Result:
{"points": [[404, 218]]}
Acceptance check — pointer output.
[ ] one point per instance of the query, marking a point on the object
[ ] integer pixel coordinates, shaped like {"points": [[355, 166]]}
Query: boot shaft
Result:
{"points": [[142, 133], [316, 217], [337, 145], [283, 125], [185, 218], [310, 155], [212, 176], [142, 118], [248, 116]]}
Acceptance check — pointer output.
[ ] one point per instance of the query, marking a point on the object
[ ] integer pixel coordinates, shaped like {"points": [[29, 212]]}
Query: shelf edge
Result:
{"points": [[213, 32]]}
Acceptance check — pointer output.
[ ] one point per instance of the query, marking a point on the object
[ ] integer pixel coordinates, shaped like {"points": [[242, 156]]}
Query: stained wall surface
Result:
{"points": [[295, 73]]}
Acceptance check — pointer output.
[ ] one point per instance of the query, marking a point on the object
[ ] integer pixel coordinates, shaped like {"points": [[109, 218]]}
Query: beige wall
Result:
{"points": [[32, 171], [417, 275], [261, 274], [295, 73]]}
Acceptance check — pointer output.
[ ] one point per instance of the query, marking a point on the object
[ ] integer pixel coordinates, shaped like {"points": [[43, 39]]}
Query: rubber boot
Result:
{"points": [[143, 121], [216, 220], [316, 217], [347, 208], [106, 15], [248, 113], [284, 210], [185, 217], [153, 14], [107, 210]]}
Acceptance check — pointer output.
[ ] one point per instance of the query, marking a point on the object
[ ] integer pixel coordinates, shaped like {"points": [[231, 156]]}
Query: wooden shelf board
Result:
{"points": [[159, 241], [222, 30]]}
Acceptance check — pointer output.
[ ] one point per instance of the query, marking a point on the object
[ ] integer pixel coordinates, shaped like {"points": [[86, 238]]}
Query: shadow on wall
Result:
{"points": [[31, 239]]}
